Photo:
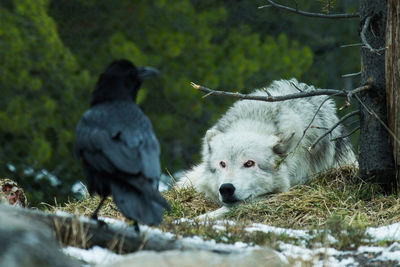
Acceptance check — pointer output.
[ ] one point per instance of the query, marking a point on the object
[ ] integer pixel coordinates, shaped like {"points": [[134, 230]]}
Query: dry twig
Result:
{"points": [[309, 14], [351, 114], [364, 39]]}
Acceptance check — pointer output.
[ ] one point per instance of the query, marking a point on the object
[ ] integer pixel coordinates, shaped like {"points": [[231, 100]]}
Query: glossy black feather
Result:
{"points": [[119, 150]]}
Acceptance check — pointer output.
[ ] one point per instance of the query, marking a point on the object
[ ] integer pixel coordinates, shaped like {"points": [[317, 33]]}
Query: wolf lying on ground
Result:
{"points": [[258, 147]]}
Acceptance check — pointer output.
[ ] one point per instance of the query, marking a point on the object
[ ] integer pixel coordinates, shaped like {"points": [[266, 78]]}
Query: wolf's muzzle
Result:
{"points": [[227, 192]]}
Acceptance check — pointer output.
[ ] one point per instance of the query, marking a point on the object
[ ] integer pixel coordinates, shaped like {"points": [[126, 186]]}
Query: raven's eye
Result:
{"points": [[222, 164], [249, 164]]}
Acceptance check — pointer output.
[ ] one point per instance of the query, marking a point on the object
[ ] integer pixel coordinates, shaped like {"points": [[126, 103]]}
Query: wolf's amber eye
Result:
{"points": [[222, 164], [249, 164]]}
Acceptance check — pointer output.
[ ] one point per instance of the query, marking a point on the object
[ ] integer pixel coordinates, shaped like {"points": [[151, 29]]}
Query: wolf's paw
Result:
{"points": [[214, 215]]}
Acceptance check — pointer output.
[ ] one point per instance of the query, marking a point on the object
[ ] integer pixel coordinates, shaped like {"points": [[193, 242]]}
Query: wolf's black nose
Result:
{"points": [[227, 190]]}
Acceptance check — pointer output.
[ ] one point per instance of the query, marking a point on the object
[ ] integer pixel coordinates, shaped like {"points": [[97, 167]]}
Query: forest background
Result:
{"points": [[52, 52]]}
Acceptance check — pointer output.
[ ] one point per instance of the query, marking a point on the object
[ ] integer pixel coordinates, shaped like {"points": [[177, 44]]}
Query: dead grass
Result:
{"points": [[187, 203], [86, 207], [338, 193], [337, 202]]}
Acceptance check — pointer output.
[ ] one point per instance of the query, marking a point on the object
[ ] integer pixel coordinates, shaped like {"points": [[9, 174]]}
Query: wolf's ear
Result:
{"points": [[285, 143], [210, 135]]}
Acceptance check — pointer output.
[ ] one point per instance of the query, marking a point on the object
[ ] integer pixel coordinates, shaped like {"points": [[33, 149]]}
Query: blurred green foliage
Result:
{"points": [[51, 53], [41, 99]]}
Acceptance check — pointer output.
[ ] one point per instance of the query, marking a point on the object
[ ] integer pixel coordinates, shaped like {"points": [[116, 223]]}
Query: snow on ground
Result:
{"points": [[93, 256], [389, 232], [321, 256]]}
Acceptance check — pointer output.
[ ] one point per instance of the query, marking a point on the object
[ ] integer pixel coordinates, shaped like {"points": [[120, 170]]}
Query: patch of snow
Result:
{"points": [[391, 253], [54, 181], [327, 254], [94, 255], [182, 220], [389, 256], [29, 171], [114, 222], [162, 186], [226, 222], [348, 262], [218, 227], [277, 230], [388, 232], [394, 247], [11, 167], [317, 256], [80, 189], [296, 252], [368, 249], [62, 213], [240, 244], [145, 229]]}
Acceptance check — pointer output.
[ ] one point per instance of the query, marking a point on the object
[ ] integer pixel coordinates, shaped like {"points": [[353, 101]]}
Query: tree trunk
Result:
{"points": [[393, 77], [376, 158]]}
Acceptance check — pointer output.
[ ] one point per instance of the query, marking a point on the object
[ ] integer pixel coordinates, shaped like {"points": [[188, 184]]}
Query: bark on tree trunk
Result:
{"points": [[376, 158], [393, 77]]}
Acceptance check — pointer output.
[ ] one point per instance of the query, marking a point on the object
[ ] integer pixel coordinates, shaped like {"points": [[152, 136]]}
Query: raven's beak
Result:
{"points": [[147, 72]]}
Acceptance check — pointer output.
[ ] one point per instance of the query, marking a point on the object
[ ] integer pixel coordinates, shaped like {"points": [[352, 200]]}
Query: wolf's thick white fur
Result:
{"points": [[269, 134]]}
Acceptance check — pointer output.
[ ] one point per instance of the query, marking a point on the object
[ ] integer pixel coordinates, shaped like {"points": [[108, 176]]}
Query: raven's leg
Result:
{"points": [[136, 226], [94, 215]]}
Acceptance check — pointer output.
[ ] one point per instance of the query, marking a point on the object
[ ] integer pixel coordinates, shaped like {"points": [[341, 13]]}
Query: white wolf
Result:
{"points": [[258, 147]]}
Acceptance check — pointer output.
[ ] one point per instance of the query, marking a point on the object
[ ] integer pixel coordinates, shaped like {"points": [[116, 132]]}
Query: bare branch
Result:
{"points": [[347, 135], [357, 90], [309, 124], [318, 127], [309, 14], [270, 98], [333, 128], [373, 113], [351, 74], [295, 86], [364, 39], [303, 94], [351, 45]]}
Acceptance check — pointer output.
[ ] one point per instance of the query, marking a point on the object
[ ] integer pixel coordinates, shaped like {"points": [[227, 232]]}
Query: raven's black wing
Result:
{"points": [[121, 155], [117, 137]]}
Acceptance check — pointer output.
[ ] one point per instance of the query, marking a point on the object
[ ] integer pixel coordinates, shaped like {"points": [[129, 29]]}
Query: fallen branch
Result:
{"points": [[309, 14], [85, 233], [333, 127]]}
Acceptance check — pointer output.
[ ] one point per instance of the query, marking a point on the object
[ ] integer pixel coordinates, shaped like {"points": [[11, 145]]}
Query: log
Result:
{"points": [[85, 233]]}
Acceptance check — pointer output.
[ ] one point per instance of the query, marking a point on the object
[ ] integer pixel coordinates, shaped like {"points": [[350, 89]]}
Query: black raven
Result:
{"points": [[119, 150]]}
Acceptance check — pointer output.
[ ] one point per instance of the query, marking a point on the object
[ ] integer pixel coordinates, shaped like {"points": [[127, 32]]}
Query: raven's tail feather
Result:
{"points": [[141, 202]]}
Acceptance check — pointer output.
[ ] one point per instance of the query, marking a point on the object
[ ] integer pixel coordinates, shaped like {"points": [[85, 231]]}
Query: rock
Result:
{"points": [[177, 258], [24, 242]]}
